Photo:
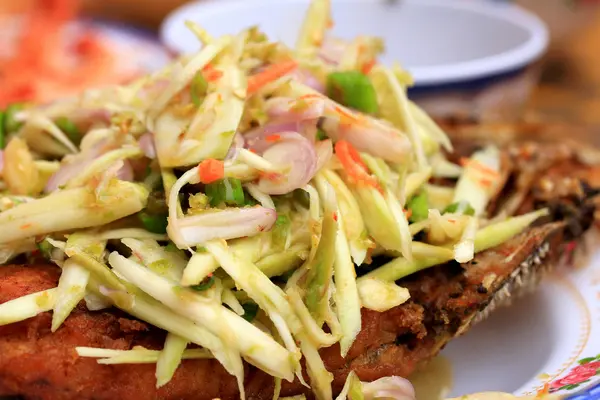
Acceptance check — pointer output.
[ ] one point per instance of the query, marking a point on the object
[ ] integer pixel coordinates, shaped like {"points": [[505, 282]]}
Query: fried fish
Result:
{"points": [[446, 300]]}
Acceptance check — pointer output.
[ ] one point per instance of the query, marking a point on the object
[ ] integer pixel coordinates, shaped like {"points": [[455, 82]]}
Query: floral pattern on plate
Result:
{"points": [[583, 373]]}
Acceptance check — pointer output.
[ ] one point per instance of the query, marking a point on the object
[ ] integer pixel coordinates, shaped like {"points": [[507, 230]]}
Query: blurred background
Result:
{"points": [[566, 84]]}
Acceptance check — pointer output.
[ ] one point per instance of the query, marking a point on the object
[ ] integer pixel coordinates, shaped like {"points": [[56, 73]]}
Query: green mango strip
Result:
{"points": [[426, 256], [320, 271]]}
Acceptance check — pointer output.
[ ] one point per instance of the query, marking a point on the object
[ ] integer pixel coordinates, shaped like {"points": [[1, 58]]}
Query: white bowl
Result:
{"points": [[438, 41]]}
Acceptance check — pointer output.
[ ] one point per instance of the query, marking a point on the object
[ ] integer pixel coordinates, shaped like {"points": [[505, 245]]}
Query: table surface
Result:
{"points": [[569, 89]]}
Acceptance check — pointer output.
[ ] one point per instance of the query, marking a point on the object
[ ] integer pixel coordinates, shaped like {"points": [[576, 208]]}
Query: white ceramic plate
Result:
{"points": [[551, 337], [439, 41]]}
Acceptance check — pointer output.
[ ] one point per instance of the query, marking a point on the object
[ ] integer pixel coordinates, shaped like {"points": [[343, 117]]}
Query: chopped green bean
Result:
{"points": [[198, 89], [45, 248], [204, 285], [352, 89], [10, 123], [154, 223], [250, 311], [69, 128], [171, 247], [419, 207], [460, 206], [228, 191], [321, 135]]}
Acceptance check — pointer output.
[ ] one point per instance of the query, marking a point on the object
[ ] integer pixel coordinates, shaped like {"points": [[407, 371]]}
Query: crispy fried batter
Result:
{"points": [[38, 364], [445, 301]]}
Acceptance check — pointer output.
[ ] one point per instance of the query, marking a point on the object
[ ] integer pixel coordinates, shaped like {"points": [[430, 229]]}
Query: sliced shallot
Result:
{"points": [[93, 145], [85, 118], [307, 78], [65, 173], [255, 138], [293, 151], [371, 136], [389, 387], [146, 143], [285, 108], [237, 143], [226, 224], [332, 50], [125, 173]]}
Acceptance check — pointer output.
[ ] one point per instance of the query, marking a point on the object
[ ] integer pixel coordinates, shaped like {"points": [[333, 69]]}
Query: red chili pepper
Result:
{"points": [[273, 138], [211, 74], [368, 66], [211, 170], [353, 164], [270, 74], [486, 182]]}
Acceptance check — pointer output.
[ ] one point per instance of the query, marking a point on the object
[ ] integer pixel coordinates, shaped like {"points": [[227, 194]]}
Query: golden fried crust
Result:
{"points": [[39, 364], [42, 365]]}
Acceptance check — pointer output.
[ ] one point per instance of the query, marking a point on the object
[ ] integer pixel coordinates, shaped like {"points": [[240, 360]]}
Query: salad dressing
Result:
{"points": [[435, 380]]}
